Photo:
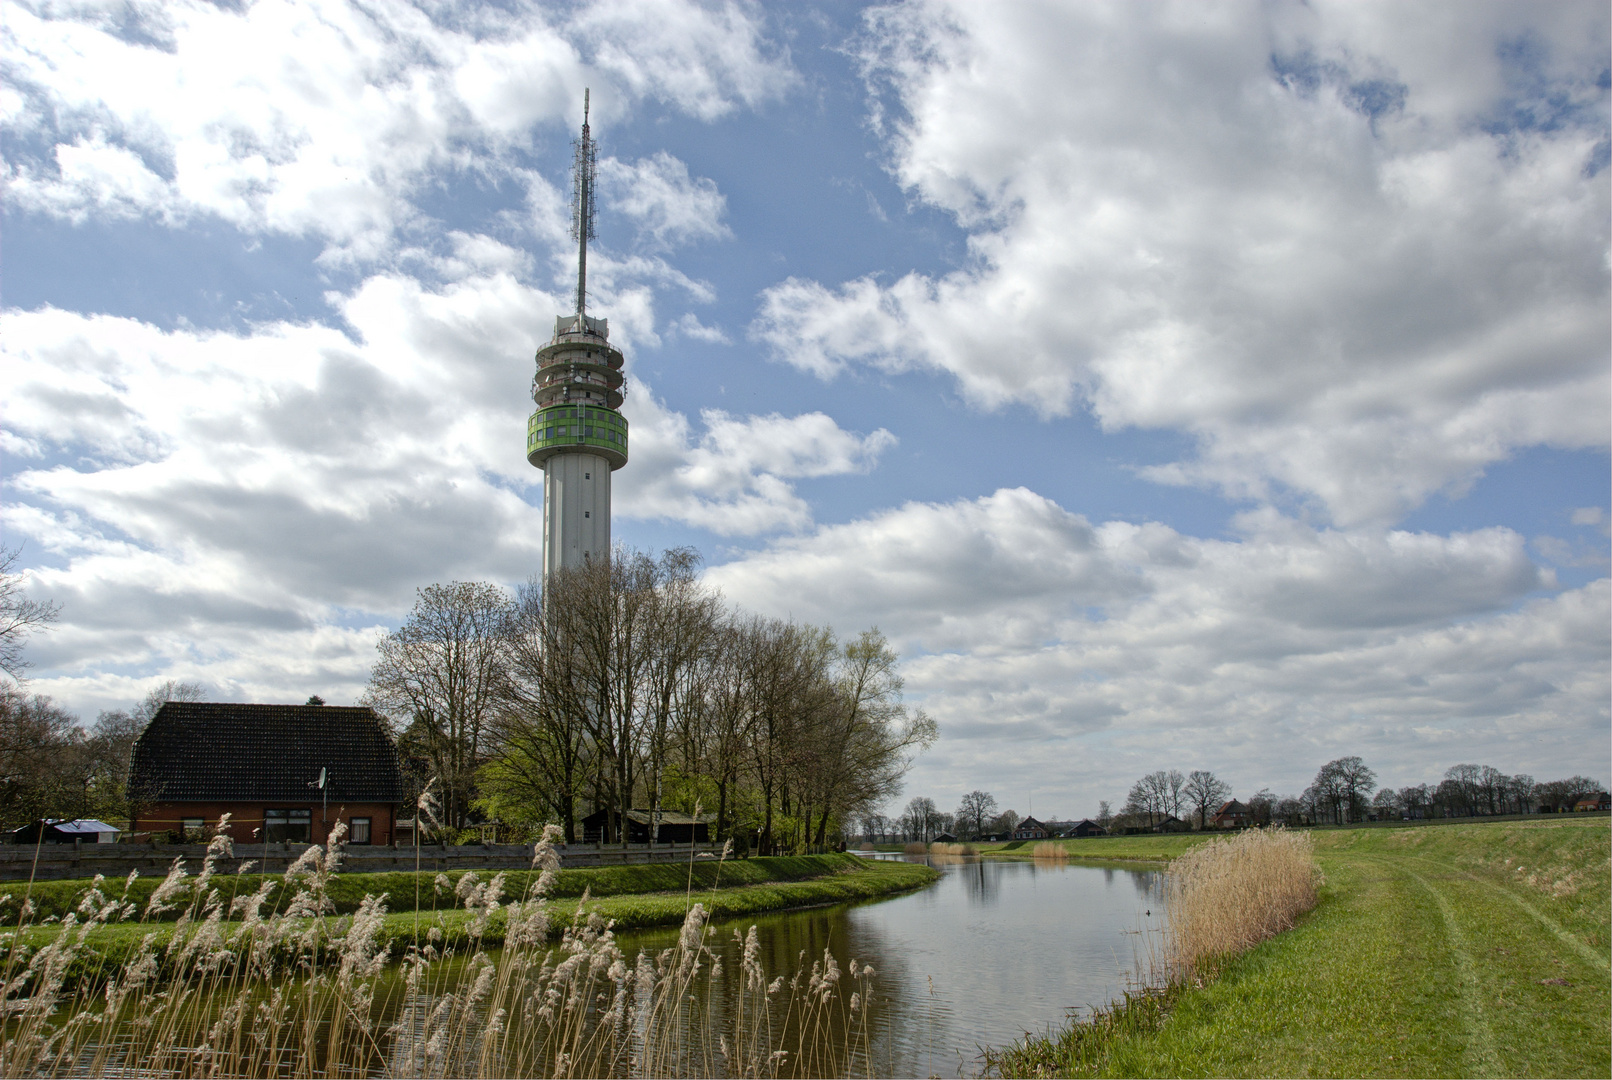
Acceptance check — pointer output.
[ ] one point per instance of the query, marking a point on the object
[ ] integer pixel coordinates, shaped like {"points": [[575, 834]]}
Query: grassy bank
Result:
{"points": [[400, 890], [1460, 950], [631, 897], [1104, 848]]}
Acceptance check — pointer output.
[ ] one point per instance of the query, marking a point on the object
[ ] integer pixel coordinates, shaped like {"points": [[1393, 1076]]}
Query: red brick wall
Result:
{"points": [[246, 821]]}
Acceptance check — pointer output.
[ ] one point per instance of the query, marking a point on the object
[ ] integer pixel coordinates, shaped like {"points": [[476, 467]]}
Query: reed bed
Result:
{"points": [[1049, 850], [1230, 894], [942, 848], [294, 991], [1221, 898], [916, 847]]}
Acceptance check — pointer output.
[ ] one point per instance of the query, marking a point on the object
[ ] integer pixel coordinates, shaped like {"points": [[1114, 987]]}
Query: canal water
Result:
{"points": [[994, 949]]}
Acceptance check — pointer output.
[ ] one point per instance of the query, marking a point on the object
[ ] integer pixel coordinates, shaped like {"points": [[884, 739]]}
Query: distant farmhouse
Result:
{"points": [[1031, 829], [1603, 801], [1232, 815], [262, 765], [1085, 827]]}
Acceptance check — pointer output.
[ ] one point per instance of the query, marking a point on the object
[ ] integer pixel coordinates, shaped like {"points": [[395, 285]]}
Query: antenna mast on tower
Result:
{"points": [[582, 210]]}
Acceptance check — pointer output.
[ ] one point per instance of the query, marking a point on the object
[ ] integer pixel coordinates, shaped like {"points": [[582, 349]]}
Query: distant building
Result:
{"points": [[1603, 801], [1086, 827], [1031, 829], [57, 831], [262, 764], [1232, 815], [945, 838], [1171, 823], [675, 827]]}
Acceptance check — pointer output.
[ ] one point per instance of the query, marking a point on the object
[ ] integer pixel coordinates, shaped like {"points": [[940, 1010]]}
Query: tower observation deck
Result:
{"points": [[578, 436]]}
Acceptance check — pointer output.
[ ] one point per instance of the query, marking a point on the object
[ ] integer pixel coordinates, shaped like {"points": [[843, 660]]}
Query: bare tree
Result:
{"points": [[1105, 816], [440, 677], [539, 751], [1204, 790], [111, 745], [41, 759], [19, 616], [974, 811]]}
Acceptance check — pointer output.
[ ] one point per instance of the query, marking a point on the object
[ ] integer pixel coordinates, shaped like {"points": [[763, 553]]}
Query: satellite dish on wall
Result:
{"points": [[321, 778]]}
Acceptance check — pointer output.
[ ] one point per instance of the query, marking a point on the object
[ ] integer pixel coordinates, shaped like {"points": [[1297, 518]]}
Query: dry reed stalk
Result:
{"points": [[939, 848], [1230, 894], [295, 993]]}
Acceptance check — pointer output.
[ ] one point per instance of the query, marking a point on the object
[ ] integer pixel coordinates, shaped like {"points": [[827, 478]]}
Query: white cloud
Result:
{"points": [[670, 207], [1352, 249], [244, 507], [734, 477], [1588, 515], [325, 119], [689, 326], [1057, 652]]}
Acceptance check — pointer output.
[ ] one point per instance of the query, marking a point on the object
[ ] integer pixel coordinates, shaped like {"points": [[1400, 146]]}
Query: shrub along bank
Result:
{"points": [[1469, 950]]}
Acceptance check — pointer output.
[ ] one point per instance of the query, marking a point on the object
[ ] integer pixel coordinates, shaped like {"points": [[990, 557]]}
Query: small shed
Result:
{"points": [[945, 838], [675, 827], [1086, 827], [57, 831], [1170, 824]]}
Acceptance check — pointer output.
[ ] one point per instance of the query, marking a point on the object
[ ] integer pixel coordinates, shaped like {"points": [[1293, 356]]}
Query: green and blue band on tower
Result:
{"points": [[578, 436]]}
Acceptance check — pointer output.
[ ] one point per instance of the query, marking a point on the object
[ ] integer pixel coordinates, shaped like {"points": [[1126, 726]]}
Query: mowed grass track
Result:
{"points": [[1447, 950]]}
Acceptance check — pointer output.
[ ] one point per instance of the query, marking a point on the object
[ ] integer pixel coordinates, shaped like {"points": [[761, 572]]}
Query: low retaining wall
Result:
{"points": [[79, 860]]}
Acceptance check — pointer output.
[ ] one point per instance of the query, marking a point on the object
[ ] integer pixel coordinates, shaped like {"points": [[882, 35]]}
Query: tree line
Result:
{"points": [[628, 684], [1345, 791]]}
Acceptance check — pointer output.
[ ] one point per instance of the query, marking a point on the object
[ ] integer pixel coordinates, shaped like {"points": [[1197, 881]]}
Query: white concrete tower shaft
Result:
{"points": [[578, 436]]}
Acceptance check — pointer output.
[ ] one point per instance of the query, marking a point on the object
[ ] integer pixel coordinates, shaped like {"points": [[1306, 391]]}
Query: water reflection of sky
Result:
{"points": [[992, 950]]}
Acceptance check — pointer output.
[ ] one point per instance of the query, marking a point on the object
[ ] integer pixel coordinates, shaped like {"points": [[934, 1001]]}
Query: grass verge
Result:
{"points": [[760, 885], [54, 899], [1464, 950]]}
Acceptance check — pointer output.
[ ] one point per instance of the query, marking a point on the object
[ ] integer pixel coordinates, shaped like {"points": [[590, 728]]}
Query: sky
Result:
{"points": [[1177, 385]]}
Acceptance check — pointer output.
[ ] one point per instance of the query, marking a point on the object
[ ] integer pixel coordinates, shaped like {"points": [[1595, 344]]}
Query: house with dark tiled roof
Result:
{"points": [[1031, 829], [263, 764], [1232, 815]]}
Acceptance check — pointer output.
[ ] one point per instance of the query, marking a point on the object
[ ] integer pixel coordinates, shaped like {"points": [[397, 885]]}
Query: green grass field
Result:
{"points": [[1452, 950]]}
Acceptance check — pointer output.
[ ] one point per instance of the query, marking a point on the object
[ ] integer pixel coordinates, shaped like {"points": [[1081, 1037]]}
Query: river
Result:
{"points": [[995, 948]]}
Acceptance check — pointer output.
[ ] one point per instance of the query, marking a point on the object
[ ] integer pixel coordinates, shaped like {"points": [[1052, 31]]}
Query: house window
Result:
{"points": [[192, 830], [287, 826], [358, 833]]}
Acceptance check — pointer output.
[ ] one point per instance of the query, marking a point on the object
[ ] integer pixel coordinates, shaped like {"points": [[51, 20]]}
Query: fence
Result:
{"points": [[80, 860]]}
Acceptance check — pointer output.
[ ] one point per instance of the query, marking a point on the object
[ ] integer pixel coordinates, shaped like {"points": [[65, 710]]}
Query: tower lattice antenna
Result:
{"points": [[582, 208]]}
